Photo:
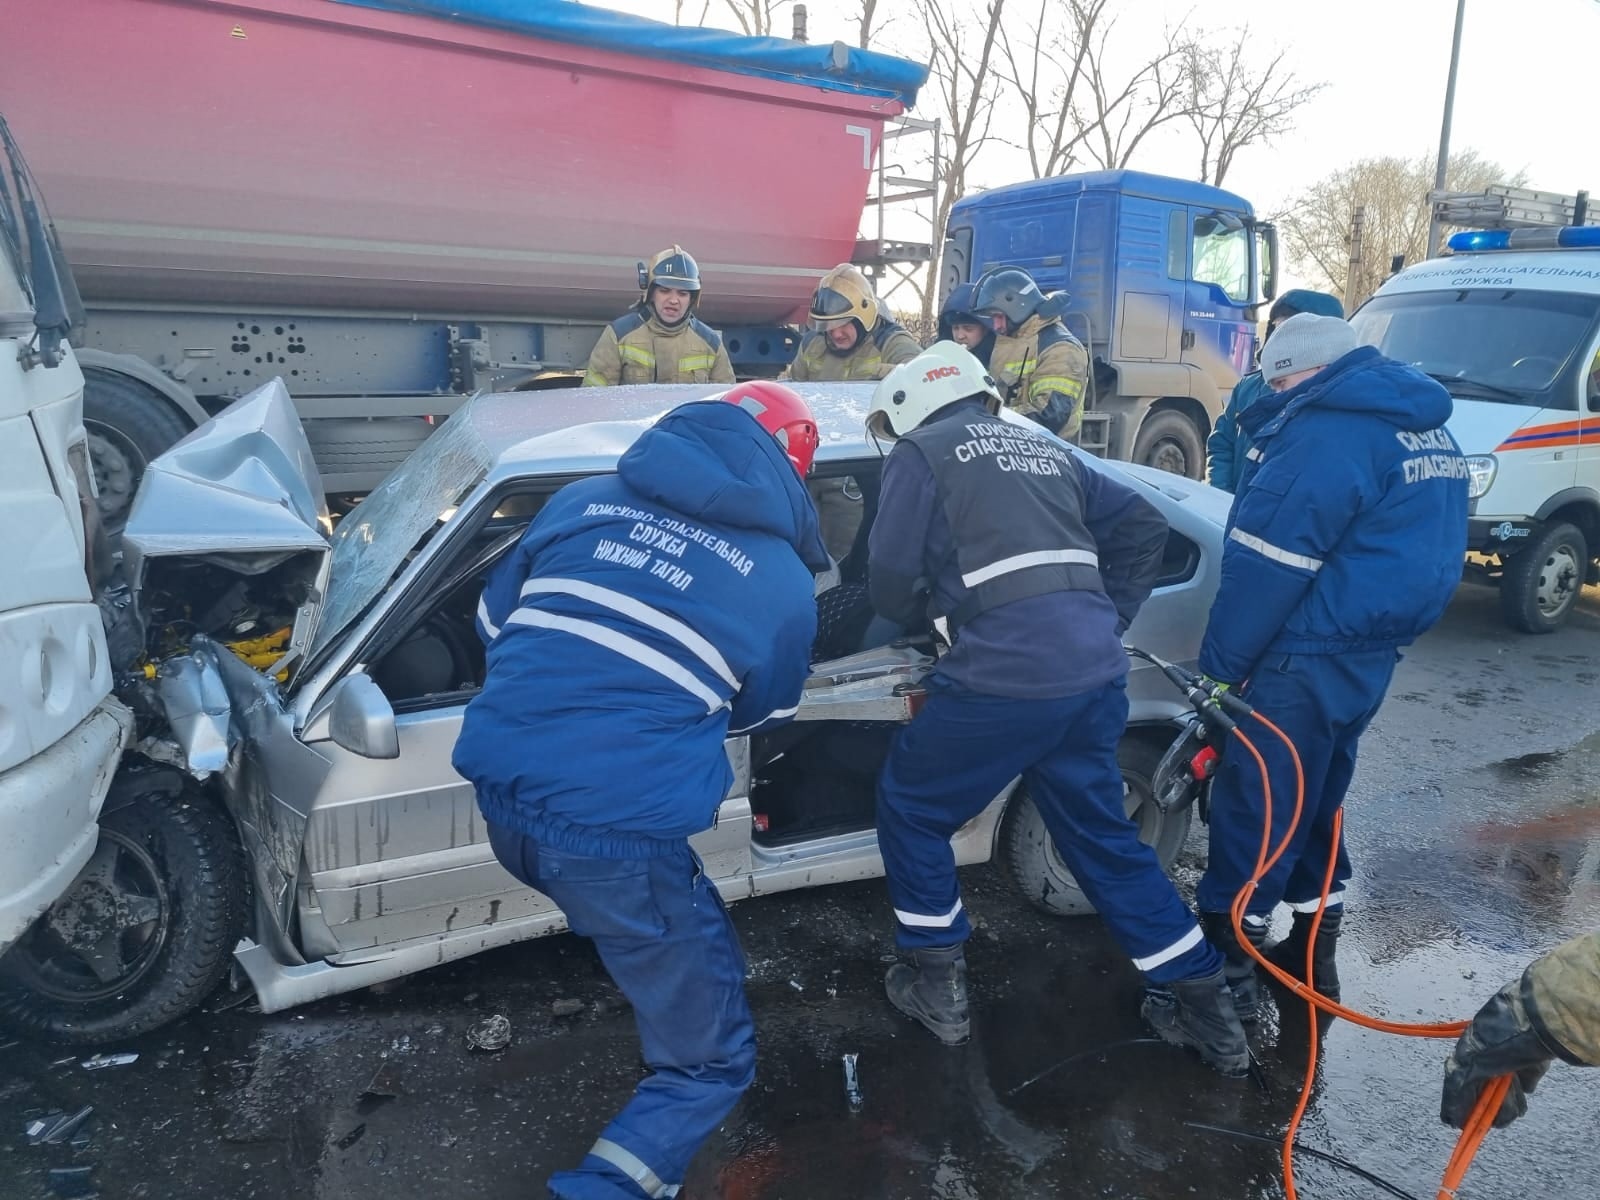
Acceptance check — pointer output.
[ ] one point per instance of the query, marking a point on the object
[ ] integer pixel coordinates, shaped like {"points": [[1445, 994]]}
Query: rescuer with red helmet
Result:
{"points": [[646, 616]]}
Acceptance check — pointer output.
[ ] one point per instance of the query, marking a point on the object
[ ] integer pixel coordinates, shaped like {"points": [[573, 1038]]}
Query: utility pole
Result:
{"points": [[799, 22], [1358, 226], [1434, 226]]}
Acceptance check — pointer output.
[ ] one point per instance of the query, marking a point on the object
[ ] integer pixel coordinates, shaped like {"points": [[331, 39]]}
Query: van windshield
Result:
{"points": [[1514, 345]]}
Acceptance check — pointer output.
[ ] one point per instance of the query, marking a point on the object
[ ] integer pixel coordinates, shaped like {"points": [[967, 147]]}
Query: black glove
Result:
{"points": [[1501, 1040]]}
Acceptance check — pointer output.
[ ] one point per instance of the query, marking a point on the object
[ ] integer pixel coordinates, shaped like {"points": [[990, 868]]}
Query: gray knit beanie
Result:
{"points": [[1305, 341]]}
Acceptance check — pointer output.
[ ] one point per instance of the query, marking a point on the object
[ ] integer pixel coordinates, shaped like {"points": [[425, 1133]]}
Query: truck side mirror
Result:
{"points": [[360, 718]]}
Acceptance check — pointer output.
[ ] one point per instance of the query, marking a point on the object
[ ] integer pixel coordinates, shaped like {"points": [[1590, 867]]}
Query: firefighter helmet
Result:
{"points": [[845, 294], [915, 390], [674, 267], [1009, 291], [783, 414]]}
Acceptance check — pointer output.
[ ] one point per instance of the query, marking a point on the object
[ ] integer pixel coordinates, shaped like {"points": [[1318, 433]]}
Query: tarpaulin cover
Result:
{"points": [[863, 72]]}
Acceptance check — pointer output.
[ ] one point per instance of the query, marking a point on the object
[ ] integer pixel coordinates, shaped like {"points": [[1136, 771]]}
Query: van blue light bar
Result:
{"points": [[1569, 237]]}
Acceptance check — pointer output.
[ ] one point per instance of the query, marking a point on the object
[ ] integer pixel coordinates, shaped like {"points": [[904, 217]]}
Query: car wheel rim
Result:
{"points": [[117, 465], [104, 935], [1558, 580], [1137, 802]]}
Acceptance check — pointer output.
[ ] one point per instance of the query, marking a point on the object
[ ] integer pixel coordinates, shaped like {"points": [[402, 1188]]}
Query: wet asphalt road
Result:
{"points": [[1475, 828]]}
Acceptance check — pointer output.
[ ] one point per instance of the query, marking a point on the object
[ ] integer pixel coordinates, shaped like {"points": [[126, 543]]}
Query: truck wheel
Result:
{"points": [[143, 936], [1539, 585], [1031, 857], [1169, 441], [129, 424]]}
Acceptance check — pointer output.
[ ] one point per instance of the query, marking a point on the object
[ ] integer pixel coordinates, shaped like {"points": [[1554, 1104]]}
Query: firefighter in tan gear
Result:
{"points": [[851, 337], [1040, 367], [660, 340]]}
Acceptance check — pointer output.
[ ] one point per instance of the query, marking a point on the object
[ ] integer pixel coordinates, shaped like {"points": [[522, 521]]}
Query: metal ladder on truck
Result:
{"points": [[1502, 207]]}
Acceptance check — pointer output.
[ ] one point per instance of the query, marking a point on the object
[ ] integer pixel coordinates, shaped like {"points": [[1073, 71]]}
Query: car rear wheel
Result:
{"points": [[1031, 856], [1540, 585], [145, 933]]}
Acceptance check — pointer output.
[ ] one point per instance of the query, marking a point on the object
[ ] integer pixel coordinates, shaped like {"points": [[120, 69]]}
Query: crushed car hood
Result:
{"points": [[242, 493]]}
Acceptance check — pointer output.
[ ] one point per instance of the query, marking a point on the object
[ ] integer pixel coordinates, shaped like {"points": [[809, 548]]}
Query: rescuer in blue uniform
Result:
{"points": [[1345, 544], [645, 616], [1033, 565]]}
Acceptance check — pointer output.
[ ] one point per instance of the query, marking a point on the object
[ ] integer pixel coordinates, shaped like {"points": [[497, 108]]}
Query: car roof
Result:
{"points": [[581, 430]]}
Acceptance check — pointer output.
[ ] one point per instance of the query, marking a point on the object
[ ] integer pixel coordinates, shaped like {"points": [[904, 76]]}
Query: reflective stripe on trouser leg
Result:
{"points": [[944, 768], [1079, 791], [631, 1165], [664, 936], [1323, 703]]}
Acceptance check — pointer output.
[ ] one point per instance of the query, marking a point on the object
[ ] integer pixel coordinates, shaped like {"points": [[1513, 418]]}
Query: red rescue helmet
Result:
{"points": [[782, 414]]}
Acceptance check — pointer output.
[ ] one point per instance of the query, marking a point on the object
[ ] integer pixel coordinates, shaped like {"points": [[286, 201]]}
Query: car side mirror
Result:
{"points": [[361, 719]]}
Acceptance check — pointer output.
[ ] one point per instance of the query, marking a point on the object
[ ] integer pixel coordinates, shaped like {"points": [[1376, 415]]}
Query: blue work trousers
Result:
{"points": [[1323, 703], [664, 936], [961, 751]]}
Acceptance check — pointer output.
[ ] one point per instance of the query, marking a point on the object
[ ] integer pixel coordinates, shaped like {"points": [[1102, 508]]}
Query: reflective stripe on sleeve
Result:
{"points": [[919, 921], [1267, 550], [697, 362], [642, 613], [636, 355], [1021, 562], [634, 1167], [1182, 946], [489, 626], [626, 646], [1064, 384], [776, 715]]}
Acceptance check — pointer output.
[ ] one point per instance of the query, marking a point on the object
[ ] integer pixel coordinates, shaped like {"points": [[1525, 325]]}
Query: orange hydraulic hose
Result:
{"points": [[1489, 1100]]}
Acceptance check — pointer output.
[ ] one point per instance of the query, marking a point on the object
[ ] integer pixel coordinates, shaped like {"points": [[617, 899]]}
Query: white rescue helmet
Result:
{"points": [[942, 374]]}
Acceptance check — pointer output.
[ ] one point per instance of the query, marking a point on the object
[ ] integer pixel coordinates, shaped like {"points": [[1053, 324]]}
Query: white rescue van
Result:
{"points": [[1509, 322], [61, 732]]}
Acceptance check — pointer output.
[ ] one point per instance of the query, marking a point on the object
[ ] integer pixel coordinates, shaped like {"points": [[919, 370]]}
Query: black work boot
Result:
{"points": [[1198, 1013], [1289, 955], [1238, 968], [934, 992]]}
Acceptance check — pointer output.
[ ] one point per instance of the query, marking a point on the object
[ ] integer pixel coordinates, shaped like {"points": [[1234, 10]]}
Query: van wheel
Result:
{"points": [[145, 933], [128, 425], [1031, 857], [1540, 585], [1169, 441]]}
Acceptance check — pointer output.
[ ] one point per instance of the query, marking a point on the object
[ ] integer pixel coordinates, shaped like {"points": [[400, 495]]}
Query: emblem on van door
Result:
{"points": [[1505, 531]]}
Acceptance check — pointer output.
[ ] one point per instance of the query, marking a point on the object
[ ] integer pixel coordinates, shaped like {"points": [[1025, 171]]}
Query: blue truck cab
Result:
{"points": [[1164, 279]]}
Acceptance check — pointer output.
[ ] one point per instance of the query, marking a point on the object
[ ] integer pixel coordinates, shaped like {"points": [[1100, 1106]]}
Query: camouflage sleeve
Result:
{"points": [[1563, 990], [1055, 389], [722, 369], [900, 348], [605, 362]]}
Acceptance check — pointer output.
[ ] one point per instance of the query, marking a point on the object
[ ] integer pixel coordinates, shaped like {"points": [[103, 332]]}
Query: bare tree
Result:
{"points": [[1123, 110], [1234, 102], [1045, 75], [864, 22], [962, 75], [755, 16], [1394, 194], [677, 11]]}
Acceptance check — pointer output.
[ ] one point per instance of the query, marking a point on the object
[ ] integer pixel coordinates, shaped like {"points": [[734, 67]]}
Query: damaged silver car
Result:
{"points": [[299, 693]]}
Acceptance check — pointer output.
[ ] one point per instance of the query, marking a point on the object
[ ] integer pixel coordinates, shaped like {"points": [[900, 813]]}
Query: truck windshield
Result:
{"points": [[1222, 257], [34, 254], [16, 301], [1515, 345]]}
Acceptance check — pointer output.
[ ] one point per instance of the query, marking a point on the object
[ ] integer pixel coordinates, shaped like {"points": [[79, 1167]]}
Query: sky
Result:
{"points": [[1523, 93]]}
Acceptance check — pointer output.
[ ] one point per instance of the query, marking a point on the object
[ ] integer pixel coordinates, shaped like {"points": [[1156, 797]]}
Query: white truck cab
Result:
{"points": [[61, 732], [1509, 322]]}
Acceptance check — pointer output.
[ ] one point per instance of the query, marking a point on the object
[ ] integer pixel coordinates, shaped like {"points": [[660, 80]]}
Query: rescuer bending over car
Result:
{"points": [[617, 667], [994, 531]]}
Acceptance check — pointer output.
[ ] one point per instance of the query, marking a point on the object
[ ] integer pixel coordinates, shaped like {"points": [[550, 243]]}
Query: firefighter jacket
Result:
{"points": [[873, 357], [645, 616], [638, 348], [1041, 370], [1340, 553]]}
